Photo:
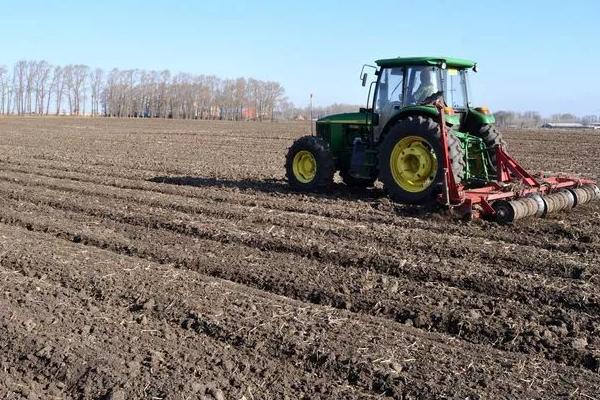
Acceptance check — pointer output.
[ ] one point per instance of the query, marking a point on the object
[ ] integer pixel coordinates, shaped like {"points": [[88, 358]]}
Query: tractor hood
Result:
{"points": [[356, 118]]}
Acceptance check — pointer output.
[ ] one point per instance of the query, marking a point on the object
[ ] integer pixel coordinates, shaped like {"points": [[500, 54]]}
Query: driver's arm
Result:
{"points": [[423, 92]]}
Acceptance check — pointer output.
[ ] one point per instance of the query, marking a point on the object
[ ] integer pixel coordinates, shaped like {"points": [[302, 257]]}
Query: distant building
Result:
{"points": [[564, 125], [249, 113]]}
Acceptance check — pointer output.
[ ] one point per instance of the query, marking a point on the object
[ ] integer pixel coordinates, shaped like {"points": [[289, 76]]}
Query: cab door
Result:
{"points": [[389, 96]]}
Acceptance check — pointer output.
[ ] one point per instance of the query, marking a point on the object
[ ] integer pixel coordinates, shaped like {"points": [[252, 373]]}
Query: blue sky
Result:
{"points": [[538, 55]]}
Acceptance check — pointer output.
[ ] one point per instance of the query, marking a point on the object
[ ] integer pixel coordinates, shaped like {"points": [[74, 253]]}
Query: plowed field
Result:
{"points": [[169, 260]]}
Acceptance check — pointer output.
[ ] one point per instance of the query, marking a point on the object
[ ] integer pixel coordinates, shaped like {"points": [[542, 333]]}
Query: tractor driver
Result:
{"points": [[426, 88]]}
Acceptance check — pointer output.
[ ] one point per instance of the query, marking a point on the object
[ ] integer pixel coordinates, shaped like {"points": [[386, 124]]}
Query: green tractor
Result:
{"points": [[397, 139]]}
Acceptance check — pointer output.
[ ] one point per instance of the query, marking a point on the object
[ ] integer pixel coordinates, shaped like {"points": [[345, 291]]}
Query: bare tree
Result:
{"points": [[58, 88], [96, 82], [40, 86], [76, 76], [36, 86], [19, 83], [4, 90]]}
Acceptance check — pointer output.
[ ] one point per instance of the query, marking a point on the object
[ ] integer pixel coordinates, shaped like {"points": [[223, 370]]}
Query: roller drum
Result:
{"points": [[510, 211], [585, 194], [561, 200], [541, 204]]}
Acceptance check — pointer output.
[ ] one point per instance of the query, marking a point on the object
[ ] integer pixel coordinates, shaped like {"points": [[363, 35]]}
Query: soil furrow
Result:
{"points": [[150, 258], [417, 265], [104, 304], [556, 236], [472, 316], [376, 236], [279, 327]]}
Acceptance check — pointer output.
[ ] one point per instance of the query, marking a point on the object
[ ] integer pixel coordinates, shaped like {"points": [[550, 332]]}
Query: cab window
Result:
{"points": [[456, 88], [423, 81], [390, 88]]}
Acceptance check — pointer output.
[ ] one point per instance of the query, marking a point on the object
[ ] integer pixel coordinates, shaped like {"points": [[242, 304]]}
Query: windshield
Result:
{"points": [[390, 88], [389, 96], [422, 82], [399, 87], [456, 88]]}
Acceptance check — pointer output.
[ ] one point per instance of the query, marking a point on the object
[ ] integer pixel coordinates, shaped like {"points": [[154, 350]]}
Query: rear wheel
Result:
{"points": [[492, 139], [309, 164], [410, 160]]}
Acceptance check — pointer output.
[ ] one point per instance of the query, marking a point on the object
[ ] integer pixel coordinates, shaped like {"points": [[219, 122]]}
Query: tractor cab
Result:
{"points": [[406, 85]]}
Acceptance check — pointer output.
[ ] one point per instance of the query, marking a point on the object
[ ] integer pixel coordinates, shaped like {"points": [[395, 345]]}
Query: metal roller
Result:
{"points": [[561, 200], [540, 203], [585, 194], [539, 206], [510, 211]]}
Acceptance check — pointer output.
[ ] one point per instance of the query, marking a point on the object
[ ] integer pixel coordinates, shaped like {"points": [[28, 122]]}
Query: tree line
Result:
{"points": [[533, 119], [37, 87]]}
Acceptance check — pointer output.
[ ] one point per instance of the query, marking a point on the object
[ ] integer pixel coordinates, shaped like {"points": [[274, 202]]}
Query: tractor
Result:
{"points": [[422, 138]]}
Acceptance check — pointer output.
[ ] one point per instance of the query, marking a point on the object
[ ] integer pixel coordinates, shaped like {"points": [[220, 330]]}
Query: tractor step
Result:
{"points": [[362, 159], [358, 156]]}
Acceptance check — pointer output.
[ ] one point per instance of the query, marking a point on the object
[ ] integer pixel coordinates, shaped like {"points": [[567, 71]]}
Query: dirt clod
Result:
{"points": [[579, 343], [116, 394]]}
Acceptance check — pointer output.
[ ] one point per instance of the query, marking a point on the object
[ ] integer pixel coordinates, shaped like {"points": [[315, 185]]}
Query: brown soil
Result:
{"points": [[169, 259]]}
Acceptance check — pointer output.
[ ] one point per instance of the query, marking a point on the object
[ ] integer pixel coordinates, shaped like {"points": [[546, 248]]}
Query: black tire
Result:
{"points": [[323, 176], [492, 139], [428, 130], [357, 183], [457, 157]]}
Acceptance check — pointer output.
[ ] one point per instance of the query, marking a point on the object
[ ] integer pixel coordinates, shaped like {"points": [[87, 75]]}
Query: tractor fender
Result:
{"points": [[475, 120], [410, 111], [478, 118]]}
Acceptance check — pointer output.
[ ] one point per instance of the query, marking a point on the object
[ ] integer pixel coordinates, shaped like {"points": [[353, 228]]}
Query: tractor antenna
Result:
{"points": [[311, 115]]}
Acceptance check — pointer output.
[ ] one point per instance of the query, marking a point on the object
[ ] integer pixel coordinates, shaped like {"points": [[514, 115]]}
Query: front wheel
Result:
{"points": [[309, 165]]}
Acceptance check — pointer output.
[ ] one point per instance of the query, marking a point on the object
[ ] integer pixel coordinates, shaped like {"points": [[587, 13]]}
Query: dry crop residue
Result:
{"points": [[169, 259]]}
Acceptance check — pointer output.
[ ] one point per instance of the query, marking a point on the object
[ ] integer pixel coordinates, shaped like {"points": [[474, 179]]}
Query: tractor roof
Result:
{"points": [[402, 61]]}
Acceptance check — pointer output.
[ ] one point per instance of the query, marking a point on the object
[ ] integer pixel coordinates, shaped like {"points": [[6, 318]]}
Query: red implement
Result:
{"points": [[515, 193]]}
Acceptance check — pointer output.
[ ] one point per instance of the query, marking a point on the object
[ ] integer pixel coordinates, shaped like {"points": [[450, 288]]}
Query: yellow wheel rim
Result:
{"points": [[413, 164], [304, 166]]}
